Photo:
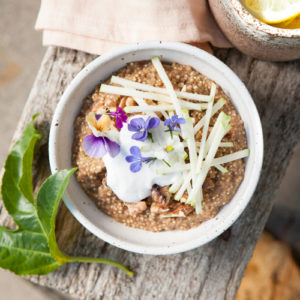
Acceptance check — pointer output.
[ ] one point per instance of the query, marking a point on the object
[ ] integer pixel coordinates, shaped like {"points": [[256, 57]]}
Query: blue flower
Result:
{"points": [[173, 122], [141, 127], [136, 159], [97, 147]]}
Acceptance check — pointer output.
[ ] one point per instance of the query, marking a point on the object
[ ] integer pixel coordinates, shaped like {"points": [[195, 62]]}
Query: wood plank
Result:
{"points": [[213, 271]]}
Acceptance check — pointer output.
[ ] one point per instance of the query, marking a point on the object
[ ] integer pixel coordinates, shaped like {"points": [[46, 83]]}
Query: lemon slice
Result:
{"points": [[273, 11], [293, 23]]}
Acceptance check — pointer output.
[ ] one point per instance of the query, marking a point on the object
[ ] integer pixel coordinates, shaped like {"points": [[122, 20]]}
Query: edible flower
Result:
{"points": [[99, 123], [141, 127], [169, 148], [136, 159], [98, 116], [166, 149], [96, 145], [173, 122], [120, 117]]}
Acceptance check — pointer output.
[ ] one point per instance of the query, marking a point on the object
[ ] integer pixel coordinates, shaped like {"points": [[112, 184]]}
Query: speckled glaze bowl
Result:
{"points": [[62, 133], [252, 36]]}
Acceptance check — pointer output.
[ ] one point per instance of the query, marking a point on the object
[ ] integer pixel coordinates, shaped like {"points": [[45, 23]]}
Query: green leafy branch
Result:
{"points": [[32, 248]]}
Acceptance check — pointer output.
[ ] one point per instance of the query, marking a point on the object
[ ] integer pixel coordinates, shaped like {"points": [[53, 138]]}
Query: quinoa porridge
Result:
{"points": [[159, 211]]}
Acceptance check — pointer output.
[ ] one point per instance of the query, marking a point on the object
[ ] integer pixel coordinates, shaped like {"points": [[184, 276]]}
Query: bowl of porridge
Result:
{"points": [[167, 143]]}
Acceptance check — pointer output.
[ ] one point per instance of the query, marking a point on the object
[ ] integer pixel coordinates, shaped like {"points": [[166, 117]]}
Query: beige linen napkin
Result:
{"points": [[96, 26]]}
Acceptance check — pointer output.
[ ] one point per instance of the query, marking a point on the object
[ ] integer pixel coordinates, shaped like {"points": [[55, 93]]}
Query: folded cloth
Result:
{"points": [[96, 26]]}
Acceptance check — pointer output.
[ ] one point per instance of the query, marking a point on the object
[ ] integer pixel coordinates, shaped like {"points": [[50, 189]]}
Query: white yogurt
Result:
{"points": [[133, 187]]}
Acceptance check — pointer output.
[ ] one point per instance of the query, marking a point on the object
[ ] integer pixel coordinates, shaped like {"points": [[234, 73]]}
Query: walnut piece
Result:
{"points": [[136, 208]]}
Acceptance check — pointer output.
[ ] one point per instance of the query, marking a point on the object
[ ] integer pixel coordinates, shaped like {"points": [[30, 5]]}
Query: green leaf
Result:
{"points": [[32, 248], [16, 189], [48, 200], [25, 252], [30, 137]]}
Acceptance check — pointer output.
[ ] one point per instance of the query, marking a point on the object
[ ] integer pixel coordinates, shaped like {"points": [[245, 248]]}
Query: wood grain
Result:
{"points": [[213, 271]]}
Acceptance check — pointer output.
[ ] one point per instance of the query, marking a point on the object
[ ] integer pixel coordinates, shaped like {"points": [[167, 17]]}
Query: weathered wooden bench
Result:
{"points": [[213, 271]]}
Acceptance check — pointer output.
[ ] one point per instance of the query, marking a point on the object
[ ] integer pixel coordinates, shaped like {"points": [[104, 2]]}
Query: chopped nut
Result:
{"points": [[160, 195], [158, 208], [130, 101], [180, 211], [123, 102], [175, 214], [208, 184], [136, 208]]}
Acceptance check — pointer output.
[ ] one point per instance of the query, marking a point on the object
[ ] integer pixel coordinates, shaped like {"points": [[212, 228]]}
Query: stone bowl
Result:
{"points": [[252, 36]]}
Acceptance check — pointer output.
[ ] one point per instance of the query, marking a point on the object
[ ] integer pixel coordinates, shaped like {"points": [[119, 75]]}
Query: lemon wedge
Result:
{"points": [[273, 11], [293, 23]]}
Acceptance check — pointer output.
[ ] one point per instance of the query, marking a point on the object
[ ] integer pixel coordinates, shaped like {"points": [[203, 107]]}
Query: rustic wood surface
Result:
{"points": [[213, 271]]}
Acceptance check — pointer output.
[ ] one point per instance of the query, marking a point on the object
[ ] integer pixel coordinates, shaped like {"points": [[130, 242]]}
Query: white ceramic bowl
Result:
{"points": [[83, 208]]}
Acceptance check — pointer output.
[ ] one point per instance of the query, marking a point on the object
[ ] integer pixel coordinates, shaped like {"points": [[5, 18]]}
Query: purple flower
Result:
{"points": [[97, 116], [97, 147], [136, 159], [120, 116], [173, 122], [141, 127]]}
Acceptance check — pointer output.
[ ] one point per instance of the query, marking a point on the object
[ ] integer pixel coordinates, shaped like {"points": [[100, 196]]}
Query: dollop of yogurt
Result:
{"points": [[133, 187]]}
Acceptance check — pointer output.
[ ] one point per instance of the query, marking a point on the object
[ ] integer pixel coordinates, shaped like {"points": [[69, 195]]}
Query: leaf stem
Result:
{"points": [[150, 137], [101, 261]]}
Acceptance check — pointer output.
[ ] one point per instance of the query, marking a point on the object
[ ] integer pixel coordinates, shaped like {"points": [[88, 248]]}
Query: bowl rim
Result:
{"points": [[260, 27], [175, 46]]}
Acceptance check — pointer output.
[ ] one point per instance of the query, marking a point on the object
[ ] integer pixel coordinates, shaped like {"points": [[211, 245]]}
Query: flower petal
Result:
{"points": [[119, 123], [135, 151], [174, 118], [167, 122], [136, 166], [94, 146], [147, 159], [104, 123], [136, 124], [172, 126], [140, 136], [97, 116], [121, 112], [91, 119], [180, 121], [153, 123], [147, 122], [131, 158], [112, 147]]}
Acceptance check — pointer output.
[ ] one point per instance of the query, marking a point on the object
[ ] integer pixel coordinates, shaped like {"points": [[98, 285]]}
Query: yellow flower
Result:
{"points": [[169, 148], [104, 123]]}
